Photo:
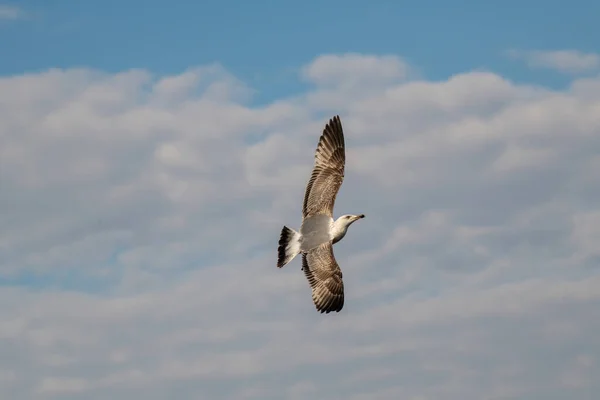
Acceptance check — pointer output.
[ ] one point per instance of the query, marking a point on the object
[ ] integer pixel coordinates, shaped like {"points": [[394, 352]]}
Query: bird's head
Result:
{"points": [[349, 219]]}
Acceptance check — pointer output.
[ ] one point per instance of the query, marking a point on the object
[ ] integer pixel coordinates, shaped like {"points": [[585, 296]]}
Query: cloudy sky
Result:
{"points": [[150, 154]]}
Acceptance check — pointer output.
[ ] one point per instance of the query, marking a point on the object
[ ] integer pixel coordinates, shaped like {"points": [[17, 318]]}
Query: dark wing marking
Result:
{"points": [[325, 278], [328, 173]]}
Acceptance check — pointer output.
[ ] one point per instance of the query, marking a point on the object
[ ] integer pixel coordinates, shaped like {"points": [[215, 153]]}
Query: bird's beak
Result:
{"points": [[360, 216]]}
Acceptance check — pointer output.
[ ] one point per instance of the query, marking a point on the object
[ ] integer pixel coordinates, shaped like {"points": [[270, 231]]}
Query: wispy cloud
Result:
{"points": [[8, 12], [566, 61], [140, 219]]}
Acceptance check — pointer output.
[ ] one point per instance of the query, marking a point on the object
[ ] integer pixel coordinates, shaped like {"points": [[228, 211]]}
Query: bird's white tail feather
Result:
{"points": [[289, 246]]}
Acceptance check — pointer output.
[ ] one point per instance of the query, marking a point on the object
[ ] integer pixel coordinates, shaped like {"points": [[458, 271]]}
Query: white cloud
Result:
{"points": [[567, 61], [8, 12], [141, 215], [355, 69]]}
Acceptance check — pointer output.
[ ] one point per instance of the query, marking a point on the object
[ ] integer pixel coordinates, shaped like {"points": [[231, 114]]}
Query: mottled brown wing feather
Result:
{"points": [[328, 173], [325, 278]]}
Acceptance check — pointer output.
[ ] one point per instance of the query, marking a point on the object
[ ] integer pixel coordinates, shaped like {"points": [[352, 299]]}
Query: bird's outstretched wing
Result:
{"points": [[325, 278], [328, 172]]}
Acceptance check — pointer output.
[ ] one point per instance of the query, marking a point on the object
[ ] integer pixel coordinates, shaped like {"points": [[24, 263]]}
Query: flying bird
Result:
{"points": [[319, 231]]}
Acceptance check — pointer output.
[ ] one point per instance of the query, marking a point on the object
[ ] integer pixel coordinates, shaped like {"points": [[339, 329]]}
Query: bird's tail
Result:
{"points": [[289, 246]]}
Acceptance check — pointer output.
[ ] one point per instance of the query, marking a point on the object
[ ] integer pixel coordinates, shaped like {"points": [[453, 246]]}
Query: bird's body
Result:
{"points": [[319, 231]]}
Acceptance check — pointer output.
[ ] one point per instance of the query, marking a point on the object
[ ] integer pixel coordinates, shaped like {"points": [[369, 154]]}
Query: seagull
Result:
{"points": [[319, 232]]}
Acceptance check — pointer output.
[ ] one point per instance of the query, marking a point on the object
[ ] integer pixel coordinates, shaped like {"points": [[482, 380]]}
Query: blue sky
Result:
{"points": [[140, 207], [264, 42]]}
